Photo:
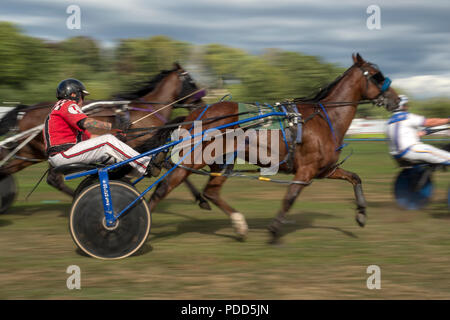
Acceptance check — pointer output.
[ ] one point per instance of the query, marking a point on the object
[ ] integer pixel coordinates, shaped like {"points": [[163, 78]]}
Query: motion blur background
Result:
{"points": [[256, 50]]}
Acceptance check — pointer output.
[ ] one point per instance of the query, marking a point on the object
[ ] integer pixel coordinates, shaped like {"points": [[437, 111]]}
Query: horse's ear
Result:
{"points": [[360, 59], [176, 66], [357, 59]]}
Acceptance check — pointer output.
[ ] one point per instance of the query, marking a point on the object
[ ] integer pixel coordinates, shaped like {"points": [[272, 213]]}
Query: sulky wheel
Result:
{"points": [[88, 226], [413, 188], [8, 192], [91, 180]]}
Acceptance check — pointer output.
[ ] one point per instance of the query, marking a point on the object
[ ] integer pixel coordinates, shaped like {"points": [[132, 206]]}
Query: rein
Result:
{"points": [[213, 119], [334, 104], [168, 105], [175, 125], [150, 109]]}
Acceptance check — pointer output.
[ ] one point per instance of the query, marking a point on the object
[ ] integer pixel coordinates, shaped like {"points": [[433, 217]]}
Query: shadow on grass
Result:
{"points": [[163, 206], [439, 210], [28, 210], [382, 204], [4, 223], [146, 248], [296, 222]]}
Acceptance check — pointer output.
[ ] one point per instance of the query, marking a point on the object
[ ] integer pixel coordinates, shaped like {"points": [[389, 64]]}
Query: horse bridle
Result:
{"points": [[187, 84], [379, 80]]}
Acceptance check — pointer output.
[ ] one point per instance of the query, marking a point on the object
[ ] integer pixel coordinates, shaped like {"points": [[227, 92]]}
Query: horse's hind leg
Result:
{"points": [[56, 180], [355, 180]]}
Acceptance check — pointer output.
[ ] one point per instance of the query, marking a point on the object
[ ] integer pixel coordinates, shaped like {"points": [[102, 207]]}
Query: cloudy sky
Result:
{"points": [[412, 46]]}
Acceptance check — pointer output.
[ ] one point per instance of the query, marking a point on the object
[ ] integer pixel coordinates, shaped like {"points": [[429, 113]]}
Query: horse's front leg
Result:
{"points": [[355, 180], [289, 199], [202, 202], [56, 180]]}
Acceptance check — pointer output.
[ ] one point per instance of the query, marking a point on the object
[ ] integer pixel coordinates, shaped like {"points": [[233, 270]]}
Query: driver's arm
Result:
{"points": [[95, 126], [434, 122]]}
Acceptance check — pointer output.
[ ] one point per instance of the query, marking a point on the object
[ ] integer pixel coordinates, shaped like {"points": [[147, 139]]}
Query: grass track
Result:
{"points": [[193, 254]]}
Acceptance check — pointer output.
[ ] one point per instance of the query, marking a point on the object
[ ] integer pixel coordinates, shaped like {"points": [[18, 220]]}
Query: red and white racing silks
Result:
{"points": [[67, 143], [61, 130]]}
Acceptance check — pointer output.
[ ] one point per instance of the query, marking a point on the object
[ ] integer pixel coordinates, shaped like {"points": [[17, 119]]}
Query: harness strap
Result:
{"points": [[150, 109], [331, 128], [298, 139]]}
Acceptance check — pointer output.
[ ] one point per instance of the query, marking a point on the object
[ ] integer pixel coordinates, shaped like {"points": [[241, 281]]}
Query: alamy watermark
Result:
{"points": [[373, 22], [258, 147], [74, 20], [374, 281], [74, 280]]}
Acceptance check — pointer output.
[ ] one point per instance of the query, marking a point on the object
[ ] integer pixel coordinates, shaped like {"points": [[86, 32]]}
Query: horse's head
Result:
{"points": [[375, 86], [188, 90]]}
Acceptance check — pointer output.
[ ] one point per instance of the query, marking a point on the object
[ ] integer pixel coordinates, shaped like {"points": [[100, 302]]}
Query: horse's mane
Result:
{"points": [[142, 88], [322, 93]]}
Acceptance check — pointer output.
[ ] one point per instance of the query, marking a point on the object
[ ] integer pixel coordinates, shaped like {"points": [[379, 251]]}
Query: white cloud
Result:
{"points": [[28, 20], [413, 38], [425, 86]]}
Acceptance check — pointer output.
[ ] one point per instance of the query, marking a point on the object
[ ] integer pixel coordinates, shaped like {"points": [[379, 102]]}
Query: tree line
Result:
{"points": [[30, 69]]}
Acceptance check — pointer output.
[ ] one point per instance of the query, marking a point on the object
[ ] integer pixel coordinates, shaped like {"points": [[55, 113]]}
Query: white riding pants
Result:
{"points": [[425, 153], [105, 148]]}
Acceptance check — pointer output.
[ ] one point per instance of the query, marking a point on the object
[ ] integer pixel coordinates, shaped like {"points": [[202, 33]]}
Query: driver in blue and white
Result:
{"points": [[404, 130]]}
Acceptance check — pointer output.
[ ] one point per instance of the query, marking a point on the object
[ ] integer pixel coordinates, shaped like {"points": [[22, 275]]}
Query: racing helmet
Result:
{"points": [[402, 103], [70, 86]]}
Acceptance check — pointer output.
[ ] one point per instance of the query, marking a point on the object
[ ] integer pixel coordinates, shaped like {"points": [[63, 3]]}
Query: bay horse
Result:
{"points": [[167, 87], [314, 158]]}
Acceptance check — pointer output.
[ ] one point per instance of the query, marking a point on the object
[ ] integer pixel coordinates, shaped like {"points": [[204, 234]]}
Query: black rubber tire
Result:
{"points": [[90, 180], [87, 226], [405, 193], [8, 192]]}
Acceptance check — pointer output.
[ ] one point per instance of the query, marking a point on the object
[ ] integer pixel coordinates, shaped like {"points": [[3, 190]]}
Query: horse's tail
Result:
{"points": [[9, 120], [161, 136]]}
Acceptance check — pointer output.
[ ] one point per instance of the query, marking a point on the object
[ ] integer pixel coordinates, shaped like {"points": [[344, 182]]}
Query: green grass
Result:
{"points": [[193, 254]]}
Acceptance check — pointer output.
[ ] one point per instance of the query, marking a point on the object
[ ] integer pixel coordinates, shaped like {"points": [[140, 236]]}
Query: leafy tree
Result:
{"points": [[30, 69]]}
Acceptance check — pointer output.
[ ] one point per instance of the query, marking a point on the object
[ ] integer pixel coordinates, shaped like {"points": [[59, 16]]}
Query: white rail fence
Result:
{"points": [[358, 126]]}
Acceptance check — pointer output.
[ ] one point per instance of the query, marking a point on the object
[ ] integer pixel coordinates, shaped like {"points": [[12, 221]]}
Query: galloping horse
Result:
{"points": [[327, 116], [164, 89]]}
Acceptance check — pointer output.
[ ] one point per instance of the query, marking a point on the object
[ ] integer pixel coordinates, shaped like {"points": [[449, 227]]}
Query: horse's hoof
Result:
{"points": [[361, 219], [275, 232], [159, 158], [275, 235], [155, 171], [239, 224], [204, 204]]}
